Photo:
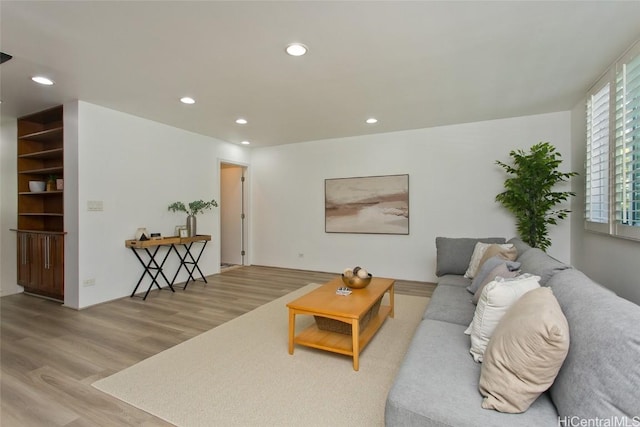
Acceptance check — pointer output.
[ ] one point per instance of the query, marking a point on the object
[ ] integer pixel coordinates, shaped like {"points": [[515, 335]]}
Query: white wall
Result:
{"points": [[453, 182], [8, 206], [136, 167], [610, 261]]}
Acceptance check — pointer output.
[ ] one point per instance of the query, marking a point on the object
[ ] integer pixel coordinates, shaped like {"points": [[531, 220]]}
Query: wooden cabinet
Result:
{"points": [[41, 213], [41, 263]]}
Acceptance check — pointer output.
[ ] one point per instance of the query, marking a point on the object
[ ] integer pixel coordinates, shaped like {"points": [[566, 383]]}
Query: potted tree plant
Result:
{"points": [[195, 207], [529, 192]]}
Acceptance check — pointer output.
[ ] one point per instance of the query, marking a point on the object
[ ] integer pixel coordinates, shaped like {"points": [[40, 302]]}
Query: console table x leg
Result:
{"points": [[193, 261], [152, 264]]}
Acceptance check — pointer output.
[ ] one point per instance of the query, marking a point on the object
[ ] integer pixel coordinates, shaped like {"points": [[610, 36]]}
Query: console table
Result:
{"points": [[154, 266]]}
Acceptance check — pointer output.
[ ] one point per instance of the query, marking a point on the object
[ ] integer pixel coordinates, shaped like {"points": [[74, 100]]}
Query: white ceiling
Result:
{"points": [[410, 64]]}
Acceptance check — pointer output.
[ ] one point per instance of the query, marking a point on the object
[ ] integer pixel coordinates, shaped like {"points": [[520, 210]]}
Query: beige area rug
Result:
{"points": [[241, 374]]}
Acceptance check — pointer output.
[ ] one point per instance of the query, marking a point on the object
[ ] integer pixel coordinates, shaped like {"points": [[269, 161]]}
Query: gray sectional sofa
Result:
{"points": [[437, 383]]}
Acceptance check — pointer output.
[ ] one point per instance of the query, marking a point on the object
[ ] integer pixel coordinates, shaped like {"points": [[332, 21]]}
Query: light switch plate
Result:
{"points": [[95, 205]]}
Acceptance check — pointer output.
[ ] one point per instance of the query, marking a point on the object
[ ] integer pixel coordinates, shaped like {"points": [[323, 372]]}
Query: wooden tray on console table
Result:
{"points": [[197, 238], [133, 243]]}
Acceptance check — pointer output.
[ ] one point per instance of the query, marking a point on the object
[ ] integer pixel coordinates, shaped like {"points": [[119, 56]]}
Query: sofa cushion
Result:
{"points": [[454, 280], [450, 304], [600, 376], [537, 262], [454, 254], [525, 353], [495, 300], [437, 386]]}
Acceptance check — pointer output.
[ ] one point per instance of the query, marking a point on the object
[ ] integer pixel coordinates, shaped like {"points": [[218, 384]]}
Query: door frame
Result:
{"points": [[246, 205]]}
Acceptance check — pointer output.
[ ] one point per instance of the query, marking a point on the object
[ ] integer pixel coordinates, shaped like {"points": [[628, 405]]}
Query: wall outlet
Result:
{"points": [[88, 282]]}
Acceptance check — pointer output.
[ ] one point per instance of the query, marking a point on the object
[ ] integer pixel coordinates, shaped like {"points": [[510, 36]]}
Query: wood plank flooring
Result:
{"points": [[50, 355]]}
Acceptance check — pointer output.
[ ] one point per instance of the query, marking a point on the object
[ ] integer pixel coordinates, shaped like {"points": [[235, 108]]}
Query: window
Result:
{"points": [[597, 165], [613, 150]]}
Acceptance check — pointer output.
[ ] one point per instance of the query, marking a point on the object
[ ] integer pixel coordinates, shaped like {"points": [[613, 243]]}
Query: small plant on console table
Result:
{"points": [[196, 207]]}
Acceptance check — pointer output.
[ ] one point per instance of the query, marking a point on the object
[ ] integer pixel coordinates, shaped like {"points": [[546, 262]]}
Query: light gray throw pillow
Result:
{"points": [[500, 271], [486, 268]]}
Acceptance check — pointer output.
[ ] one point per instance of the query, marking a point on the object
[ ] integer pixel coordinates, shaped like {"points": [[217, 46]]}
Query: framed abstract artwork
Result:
{"points": [[370, 205]]}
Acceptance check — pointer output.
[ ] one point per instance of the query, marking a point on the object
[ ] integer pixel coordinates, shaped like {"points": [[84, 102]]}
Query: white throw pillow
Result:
{"points": [[496, 298], [478, 253]]}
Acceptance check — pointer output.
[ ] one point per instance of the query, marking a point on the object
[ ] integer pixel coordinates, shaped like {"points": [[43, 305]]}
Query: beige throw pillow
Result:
{"points": [[476, 257], [495, 300], [525, 353], [509, 253]]}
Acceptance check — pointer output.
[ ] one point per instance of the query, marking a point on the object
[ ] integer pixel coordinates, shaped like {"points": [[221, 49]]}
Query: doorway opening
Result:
{"points": [[233, 216]]}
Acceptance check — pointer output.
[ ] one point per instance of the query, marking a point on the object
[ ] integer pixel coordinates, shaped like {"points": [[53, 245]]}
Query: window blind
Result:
{"points": [[597, 163], [627, 142]]}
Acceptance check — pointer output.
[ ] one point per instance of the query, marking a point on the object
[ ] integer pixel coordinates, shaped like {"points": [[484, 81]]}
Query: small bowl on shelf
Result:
{"points": [[37, 186], [356, 282]]}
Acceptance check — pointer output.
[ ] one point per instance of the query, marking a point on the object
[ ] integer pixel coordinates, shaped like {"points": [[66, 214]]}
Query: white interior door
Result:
{"points": [[231, 214]]}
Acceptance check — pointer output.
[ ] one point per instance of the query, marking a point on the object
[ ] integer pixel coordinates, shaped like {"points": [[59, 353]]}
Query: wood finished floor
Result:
{"points": [[50, 355]]}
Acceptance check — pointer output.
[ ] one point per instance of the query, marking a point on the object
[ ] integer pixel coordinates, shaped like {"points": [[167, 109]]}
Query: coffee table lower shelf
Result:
{"points": [[341, 343]]}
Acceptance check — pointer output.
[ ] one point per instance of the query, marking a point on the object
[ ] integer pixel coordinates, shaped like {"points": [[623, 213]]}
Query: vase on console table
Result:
{"points": [[195, 207], [191, 225]]}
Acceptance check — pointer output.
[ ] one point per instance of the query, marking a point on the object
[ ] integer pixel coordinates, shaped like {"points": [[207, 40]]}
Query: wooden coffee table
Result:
{"points": [[351, 309]]}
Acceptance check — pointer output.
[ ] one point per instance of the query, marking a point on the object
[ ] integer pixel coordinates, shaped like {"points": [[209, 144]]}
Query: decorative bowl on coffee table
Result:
{"points": [[357, 283]]}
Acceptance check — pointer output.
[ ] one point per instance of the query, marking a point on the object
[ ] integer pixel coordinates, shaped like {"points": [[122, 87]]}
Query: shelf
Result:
{"points": [[41, 193], [43, 171], [46, 154], [43, 135], [21, 230], [40, 217], [341, 343]]}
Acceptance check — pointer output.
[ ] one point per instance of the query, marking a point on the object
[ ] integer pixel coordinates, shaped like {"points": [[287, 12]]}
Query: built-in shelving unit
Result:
{"points": [[41, 214]]}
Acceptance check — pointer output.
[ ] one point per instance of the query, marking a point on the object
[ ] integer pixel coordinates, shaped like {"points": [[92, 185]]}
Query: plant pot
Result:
{"points": [[191, 225]]}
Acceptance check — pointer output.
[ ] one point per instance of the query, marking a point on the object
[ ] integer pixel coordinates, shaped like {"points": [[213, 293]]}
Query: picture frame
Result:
{"points": [[367, 205], [183, 233], [178, 228]]}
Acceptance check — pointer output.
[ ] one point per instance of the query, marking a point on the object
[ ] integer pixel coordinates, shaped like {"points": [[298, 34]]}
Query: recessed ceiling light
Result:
{"points": [[296, 49], [372, 120], [42, 80], [187, 100], [245, 143], [241, 121]]}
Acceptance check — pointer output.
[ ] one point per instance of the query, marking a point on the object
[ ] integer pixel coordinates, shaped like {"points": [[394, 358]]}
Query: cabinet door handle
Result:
{"points": [[46, 252], [23, 246]]}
